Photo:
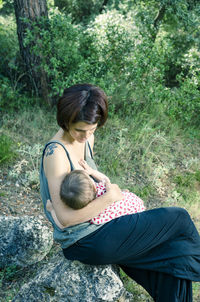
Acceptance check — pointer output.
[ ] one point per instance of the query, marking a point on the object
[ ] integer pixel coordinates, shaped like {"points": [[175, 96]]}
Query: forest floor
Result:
{"points": [[19, 200]]}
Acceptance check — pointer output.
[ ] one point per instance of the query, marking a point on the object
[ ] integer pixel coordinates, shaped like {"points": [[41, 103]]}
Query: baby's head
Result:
{"points": [[77, 189]]}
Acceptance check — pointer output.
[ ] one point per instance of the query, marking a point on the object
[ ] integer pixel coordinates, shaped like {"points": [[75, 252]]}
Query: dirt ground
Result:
{"points": [[18, 200]]}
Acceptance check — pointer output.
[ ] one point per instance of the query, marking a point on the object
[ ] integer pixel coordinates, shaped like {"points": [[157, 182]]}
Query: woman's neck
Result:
{"points": [[65, 137]]}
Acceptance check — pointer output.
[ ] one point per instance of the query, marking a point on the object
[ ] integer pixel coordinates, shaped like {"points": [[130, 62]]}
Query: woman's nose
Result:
{"points": [[85, 135], [88, 133]]}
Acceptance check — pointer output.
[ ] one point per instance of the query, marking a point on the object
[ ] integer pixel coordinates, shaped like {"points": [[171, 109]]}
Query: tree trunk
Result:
{"points": [[29, 12], [158, 19]]}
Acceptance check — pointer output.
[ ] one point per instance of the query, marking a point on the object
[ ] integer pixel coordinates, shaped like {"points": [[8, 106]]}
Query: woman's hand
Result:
{"points": [[113, 191], [50, 209]]}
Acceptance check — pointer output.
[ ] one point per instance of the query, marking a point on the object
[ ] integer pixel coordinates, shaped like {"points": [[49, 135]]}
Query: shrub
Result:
{"points": [[6, 149], [6, 7], [184, 104], [27, 169], [113, 38], [9, 50], [80, 10], [12, 99], [71, 54]]}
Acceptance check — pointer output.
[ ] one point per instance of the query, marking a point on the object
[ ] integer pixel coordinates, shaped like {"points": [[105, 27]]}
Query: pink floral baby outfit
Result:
{"points": [[130, 204]]}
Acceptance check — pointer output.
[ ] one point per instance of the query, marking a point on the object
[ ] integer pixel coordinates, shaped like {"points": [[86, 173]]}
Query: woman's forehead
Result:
{"points": [[83, 126]]}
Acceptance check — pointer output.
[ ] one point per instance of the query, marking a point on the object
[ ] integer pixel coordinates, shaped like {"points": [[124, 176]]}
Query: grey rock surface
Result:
{"points": [[24, 240], [62, 280]]}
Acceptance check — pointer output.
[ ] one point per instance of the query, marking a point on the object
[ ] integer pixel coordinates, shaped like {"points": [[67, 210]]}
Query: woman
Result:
{"points": [[159, 249]]}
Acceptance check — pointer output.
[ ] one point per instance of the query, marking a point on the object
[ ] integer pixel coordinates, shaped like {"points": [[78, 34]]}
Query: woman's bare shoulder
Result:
{"points": [[52, 148], [55, 159]]}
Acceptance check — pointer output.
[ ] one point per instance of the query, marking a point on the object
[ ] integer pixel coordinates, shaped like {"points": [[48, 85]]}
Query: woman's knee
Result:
{"points": [[183, 222], [183, 215], [177, 213]]}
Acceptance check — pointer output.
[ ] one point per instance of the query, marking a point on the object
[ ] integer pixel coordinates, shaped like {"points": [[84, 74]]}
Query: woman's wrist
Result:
{"points": [[113, 193]]}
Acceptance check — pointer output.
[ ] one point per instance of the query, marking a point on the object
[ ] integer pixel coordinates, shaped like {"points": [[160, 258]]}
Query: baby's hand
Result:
{"points": [[85, 166], [94, 173], [101, 177]]}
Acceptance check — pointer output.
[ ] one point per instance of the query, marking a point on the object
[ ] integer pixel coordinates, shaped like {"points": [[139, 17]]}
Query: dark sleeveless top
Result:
{"points": [[69, 235]]}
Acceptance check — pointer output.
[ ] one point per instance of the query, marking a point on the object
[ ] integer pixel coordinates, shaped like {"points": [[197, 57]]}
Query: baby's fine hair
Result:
{"points": [[77, 189]]}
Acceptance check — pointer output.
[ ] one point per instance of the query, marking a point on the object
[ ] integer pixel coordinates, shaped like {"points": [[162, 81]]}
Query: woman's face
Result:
{"points": [[81, 131]]}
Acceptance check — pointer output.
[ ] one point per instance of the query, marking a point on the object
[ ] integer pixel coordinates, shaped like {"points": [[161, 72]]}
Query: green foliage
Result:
{"points": [[186, 192], [97, 54], [138, 64], [12, 98], [6, 7], [184, 104], [144, 192], [120, 49], [80, 10], [7, 152], [148, 146], [9, 50], [188, 179], [58, 47], [113, 38], [139, 294]]}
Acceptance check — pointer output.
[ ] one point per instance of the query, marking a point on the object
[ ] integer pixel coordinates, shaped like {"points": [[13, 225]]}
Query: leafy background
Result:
{"points": [[145, 55]]}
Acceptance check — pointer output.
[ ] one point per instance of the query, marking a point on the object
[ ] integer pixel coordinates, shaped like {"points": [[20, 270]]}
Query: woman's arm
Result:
{"points": [[56, 166]]}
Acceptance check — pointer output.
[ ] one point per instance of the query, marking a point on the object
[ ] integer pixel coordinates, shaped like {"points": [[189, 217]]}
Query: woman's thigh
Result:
{"points": [[144, 240]]}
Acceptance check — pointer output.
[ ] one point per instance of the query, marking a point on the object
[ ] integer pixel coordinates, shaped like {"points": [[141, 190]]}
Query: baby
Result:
{"points": [[79, 188]]}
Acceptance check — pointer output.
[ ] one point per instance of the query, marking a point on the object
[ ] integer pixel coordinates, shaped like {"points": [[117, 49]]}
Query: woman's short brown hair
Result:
{"points": [[82, 103]]}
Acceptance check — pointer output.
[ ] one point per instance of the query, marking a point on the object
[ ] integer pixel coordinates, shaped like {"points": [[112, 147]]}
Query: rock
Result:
{"points": [[62, 280], [23, 240]]}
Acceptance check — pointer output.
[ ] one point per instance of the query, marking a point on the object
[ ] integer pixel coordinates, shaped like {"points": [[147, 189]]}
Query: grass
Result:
{"points": [[144, 152], [138, 292], [7, 152], [27, 126]]}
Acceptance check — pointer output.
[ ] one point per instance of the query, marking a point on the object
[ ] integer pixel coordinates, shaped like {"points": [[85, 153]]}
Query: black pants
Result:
{"points": [[159, 249]]}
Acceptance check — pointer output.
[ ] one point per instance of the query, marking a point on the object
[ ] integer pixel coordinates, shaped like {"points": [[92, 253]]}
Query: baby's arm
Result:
{"points": [[94, 173]]}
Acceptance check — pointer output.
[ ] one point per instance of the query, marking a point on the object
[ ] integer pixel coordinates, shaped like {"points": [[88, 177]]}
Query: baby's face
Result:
{"points": [[93, 183]]}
